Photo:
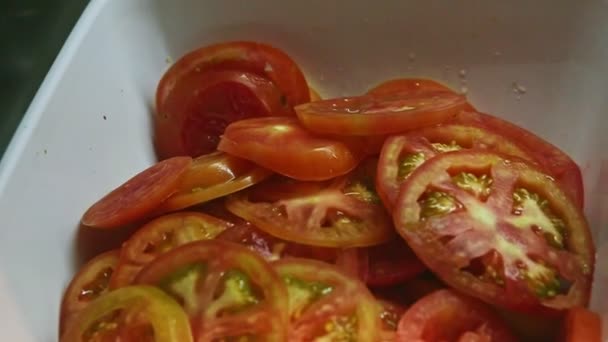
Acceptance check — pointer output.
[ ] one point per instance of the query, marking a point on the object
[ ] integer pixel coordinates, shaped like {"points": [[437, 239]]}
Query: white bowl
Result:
{"points": [[542, 64]]}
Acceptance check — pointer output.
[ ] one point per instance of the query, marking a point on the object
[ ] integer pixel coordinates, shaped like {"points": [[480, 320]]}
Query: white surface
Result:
{"points": [[65, 155]]}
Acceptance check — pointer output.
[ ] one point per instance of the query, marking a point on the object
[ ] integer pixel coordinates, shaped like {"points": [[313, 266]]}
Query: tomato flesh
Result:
{"points": [[582, 325]]}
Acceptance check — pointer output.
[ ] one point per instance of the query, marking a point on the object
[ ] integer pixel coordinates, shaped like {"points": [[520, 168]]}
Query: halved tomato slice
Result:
{"points": [[498, 229], [212, 176], [160, 236], [379, 114], [344, 213], [327, 305], [582, 325], [402, 154], [133, 313], [139, 196], [228, 291], [553, 160], [445, 315], [91, 281], [282, 145]]}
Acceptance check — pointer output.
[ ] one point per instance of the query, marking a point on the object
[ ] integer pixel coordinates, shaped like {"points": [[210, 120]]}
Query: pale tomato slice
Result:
{"points": [[139, 197]]}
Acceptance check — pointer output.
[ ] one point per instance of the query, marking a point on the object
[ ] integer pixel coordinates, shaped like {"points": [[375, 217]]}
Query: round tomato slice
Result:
{"points": [[582, 325], [134, 313], [553, 160], [379, 114], [344, 213], [282, 145], [228, 291], [326, 304], [89, 283], [138, 197], [402, 154], [193, 116], [212, 176], [253, 57], [160, 236], [391, 263], [498, 229], [445, 315], [408, 85]]}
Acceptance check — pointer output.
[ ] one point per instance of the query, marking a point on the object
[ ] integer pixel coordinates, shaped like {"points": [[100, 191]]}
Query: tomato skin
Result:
{"points": [[391, 263], [497, 230], [552, 159], [379, 114], [168, 321], [91, 282], [408, 85], [461, 318], [283, 146], [139, 196], [582, 325], [254, 57], [160, 236]]}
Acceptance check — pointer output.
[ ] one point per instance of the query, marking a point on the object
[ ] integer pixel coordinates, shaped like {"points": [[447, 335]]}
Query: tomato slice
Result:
{"points": [[445, 315], [327, 305], [408, 85], [212, 176], [379, 114], [160, 236], [227, 290], [554, 161], [282, 145], [139, 196], [343, 213], [582, 325], [134, 313], [253, 57], [498, 229], [402, 154], [391, 263], [89, 283]]}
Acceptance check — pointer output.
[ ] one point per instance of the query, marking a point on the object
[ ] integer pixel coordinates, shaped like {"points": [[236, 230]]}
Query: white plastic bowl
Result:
{"points": [[542, 64]]}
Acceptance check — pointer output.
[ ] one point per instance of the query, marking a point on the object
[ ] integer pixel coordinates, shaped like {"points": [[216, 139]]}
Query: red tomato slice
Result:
{"points": [[402, 154], [344, 213], [190, 120], [379, 114], [160, 236], [212, 176], [497, 229], [228, 291], [133, 313], [257, 58], [553, 160], [89, 283], [408, 85], [582, 325], [445, 315], [138, 197], [391, 263], [282, 145], [327, 305]]}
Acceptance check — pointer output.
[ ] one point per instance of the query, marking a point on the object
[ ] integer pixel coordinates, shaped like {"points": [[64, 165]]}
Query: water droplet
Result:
{"points": [[411, 56], [322, 78], [366, 20], [519, 89], [462, 73], [497, 54], [464, 89]]}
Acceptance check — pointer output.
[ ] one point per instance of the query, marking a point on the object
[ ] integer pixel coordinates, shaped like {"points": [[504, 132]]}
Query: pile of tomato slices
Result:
{"points": [[401, 214]]}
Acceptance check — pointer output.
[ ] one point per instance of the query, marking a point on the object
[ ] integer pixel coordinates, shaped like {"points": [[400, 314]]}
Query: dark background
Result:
{"points": [[31, 34]]}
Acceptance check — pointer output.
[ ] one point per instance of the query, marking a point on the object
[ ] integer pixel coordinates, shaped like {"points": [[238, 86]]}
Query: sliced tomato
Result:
{"points": [[253, 57], [391, 263], [379, 114], [582, 325], [402, 154], [554, 161], [314, 95], [408, 85], [228, 291], [343, 213], [282, 145], [195, 113], [134, 313], [160, 236], [212, 176], [139, 196], [326, 304], [91, 281], [498, 229], [445, 315]]}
